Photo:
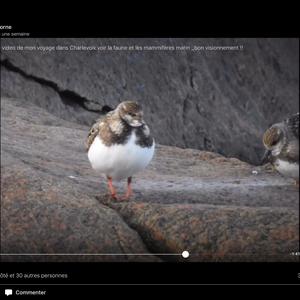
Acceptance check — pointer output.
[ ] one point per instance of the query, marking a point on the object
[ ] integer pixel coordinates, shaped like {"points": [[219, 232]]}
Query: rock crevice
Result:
{"points": [[68, 97], [217, 208]]}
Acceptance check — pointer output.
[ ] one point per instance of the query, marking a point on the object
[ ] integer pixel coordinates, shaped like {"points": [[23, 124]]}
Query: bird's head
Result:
{"points": [[273, 140], [131, 112]]}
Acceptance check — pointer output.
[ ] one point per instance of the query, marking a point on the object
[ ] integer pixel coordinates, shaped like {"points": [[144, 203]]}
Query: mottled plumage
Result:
{"points": [[292, 124], [112, 129]]}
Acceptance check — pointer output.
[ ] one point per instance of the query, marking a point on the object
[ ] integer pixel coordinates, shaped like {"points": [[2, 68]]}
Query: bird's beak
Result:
{"points": [[137, 123], [266, 157]]}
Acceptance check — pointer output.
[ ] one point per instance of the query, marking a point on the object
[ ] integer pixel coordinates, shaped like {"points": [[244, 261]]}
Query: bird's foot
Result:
{"points": [[126, 197], [114, 196]]}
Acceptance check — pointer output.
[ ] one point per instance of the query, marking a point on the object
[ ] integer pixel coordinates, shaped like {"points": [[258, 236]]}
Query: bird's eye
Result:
{"points": [[132, 114], [274, 143]]}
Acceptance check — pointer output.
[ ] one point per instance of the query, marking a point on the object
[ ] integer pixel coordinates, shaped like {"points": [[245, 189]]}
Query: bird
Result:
{"points": [[281, 141], [119, 144]]}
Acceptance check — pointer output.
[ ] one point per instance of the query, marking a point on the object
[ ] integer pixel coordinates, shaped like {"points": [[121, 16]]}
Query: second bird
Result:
{"points": [[281, 141]]}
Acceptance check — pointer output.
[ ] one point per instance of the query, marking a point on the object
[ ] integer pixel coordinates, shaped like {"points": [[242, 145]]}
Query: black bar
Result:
{"points": [[154, 273], [250, 22]]}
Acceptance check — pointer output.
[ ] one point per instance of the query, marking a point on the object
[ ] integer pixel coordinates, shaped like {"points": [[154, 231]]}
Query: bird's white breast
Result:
{"points": [[119, 160], [288, 169]]}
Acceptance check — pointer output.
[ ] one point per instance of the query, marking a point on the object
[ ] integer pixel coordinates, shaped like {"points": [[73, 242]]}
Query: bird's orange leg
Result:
{"points": [[111, 188], [129, 190]]}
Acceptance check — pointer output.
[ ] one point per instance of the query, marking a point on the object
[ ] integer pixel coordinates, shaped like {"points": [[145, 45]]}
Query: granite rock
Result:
{"points": [[217, 208]]}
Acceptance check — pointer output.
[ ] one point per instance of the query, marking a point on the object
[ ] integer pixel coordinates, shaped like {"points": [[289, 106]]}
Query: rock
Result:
{"points": [[219, 101], [212, 206], [215, 232], [47, 197], [44, 96]]}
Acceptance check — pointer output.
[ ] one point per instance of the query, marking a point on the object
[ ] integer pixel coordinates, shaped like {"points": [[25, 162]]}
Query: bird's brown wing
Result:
{"points": [[290, 152], [94, 131], [293, 125]]}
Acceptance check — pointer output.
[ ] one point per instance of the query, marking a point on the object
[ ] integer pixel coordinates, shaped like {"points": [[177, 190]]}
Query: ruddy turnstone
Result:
{"points": [[282, 143], [119, 144]]}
